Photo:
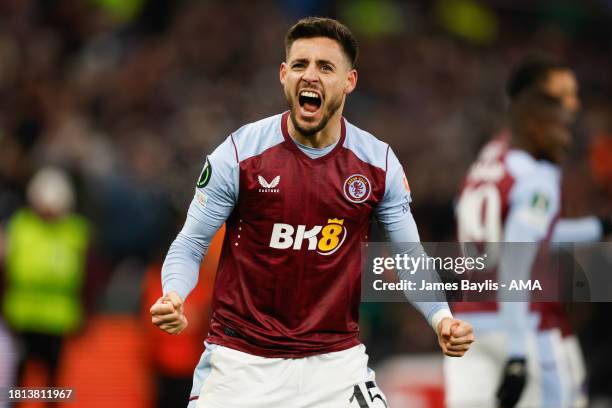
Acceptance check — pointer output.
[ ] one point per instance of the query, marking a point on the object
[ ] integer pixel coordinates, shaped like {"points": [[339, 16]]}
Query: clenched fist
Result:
{"points": [[455, 336], [167, 313]]}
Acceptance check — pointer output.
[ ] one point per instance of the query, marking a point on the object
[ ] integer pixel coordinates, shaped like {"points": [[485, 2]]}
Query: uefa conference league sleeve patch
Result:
{"points": [[205, 175], [537, 213]]}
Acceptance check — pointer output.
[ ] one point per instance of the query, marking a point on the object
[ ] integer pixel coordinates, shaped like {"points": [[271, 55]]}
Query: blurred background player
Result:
{"points": [[556, 373], [511, 192], [568, 383], [45, 271], [297, 190]]}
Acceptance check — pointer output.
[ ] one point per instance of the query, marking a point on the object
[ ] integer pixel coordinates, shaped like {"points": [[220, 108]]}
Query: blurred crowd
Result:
{"points": [[127, 97]]}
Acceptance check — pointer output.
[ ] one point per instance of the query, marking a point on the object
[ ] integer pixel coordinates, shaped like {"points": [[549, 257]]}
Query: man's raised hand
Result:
{"points": [[167, 313], [454, 336]]}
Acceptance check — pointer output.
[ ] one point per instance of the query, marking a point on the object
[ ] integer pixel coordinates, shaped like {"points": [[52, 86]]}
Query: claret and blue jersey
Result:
{"points": [[289, 278]]}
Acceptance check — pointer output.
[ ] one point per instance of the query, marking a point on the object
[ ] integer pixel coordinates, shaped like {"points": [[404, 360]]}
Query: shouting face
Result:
{"points": [[316, 77]]}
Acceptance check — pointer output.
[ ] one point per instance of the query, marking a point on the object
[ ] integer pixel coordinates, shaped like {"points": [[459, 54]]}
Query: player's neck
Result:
{"points": [[530, 148], [323, 138], [525, 147]]}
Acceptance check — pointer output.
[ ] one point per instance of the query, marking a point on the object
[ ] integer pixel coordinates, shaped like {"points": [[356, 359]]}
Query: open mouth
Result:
{"points": [[310, 101]]}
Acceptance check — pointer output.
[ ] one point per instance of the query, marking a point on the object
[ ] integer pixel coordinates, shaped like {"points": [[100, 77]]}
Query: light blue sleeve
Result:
{"points": [[584, 229], [533, 207], [216, 194], [393, 214]]}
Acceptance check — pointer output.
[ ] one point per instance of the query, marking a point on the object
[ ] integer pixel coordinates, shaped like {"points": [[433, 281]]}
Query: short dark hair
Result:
{"points": [[531, 72], [311, 27]]}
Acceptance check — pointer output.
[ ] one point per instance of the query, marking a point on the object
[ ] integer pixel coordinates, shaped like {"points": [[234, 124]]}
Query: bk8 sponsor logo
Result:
{"points": [[324, 239]]}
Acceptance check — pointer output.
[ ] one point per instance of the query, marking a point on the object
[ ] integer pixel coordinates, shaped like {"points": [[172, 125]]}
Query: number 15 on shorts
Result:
{"points": [[367, 395]]}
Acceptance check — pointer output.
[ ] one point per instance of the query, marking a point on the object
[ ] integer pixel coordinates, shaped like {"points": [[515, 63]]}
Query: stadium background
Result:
{"points": [[128, 96]]}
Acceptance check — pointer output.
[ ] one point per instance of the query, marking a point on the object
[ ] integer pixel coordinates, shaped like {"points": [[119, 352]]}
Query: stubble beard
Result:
{"points": [[331, 109]]}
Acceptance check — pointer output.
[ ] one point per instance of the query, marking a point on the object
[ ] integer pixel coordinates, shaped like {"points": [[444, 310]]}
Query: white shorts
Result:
{"points": [[556, 373], [563, 384], [228, 378], [577, 370]]}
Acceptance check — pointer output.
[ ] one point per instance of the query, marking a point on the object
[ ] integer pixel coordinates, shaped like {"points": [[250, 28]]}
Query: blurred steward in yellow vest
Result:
{"points": [[44, 265]]}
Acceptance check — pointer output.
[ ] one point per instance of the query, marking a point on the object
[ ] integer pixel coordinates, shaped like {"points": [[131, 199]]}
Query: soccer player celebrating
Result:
{"points": [[526, 354], [296, 191]]}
